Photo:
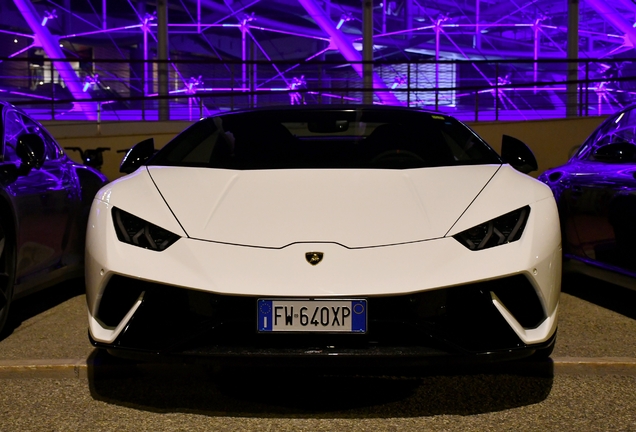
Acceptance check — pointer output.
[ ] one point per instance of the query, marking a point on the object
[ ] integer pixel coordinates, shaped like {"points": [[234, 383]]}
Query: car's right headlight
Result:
{"points": [[501, 230], [138, 232]]}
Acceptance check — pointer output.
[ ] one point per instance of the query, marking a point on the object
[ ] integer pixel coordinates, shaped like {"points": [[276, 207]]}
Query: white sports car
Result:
{"points": [[325, 231]]}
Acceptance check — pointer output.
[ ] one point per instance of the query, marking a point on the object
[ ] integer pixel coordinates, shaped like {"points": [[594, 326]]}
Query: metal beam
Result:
{"points": [[629, 4], [51, 47], [617, 19], [162, 56], [572, 102], [347, 50], [367, 51]]}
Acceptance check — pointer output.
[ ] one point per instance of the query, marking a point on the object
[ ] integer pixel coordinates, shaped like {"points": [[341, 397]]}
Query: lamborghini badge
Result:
{"points": [[314, 258]]}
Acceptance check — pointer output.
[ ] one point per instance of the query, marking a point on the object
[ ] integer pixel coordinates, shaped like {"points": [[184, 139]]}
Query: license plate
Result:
{"points": [[340, 316]]}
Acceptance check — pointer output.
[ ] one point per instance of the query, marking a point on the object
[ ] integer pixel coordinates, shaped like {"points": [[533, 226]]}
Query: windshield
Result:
{"points": [[617, 130], [326, 138]]}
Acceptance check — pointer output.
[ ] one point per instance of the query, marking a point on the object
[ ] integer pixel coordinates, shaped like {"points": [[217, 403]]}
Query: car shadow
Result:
{"points": [[34, 304], [607, 295], [250, 390]]}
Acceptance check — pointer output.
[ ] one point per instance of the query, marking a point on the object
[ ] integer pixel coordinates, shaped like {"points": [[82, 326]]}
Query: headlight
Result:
{"points": [[135, 231], [495, 232]]}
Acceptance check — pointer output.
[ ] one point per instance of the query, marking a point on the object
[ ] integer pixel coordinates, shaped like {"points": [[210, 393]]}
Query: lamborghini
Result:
{"points": [[325, 232]]}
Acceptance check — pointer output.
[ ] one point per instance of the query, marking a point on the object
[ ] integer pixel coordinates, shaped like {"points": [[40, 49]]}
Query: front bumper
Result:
{"points": [[440, 324], [431, 298]]}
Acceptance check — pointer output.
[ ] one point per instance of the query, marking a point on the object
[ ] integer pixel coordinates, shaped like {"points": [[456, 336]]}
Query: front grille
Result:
{"points": [[453, 320]]}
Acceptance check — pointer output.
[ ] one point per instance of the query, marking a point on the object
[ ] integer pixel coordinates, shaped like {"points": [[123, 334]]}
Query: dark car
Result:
{"points": [[44, 202], [596, 194]]}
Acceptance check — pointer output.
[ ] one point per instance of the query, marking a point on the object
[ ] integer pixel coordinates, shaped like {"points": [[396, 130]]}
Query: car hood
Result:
{"points": [[355, 208]]}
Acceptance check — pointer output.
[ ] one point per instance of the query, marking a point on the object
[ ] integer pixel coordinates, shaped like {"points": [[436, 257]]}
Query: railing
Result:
{"points": [[108, 89]]}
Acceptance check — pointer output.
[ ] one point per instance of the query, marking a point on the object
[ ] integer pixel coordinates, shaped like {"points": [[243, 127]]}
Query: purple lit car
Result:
{"points": [[44, 202], [596, 194]]}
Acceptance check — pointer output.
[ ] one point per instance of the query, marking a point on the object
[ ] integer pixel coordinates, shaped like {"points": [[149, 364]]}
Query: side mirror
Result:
{"points": [[30, 149], [518, 155], [137, 155], [616, 152]]}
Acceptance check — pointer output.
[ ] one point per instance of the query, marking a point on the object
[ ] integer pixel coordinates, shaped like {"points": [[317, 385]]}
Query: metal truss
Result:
{"points": [[97, 47]]}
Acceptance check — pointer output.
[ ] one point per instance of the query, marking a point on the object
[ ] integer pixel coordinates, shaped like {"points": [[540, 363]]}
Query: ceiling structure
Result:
{"points": [[285, 33]]}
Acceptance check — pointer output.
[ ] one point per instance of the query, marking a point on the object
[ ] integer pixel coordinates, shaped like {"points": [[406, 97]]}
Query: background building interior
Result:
{"points": [[475, 59]]}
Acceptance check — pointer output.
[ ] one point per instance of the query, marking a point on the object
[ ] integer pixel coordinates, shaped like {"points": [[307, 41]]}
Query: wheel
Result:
{"points": [[7, 273]]}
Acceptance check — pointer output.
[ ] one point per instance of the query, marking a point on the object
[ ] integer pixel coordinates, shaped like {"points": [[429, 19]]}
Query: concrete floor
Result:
{"points": [[51, 379]]}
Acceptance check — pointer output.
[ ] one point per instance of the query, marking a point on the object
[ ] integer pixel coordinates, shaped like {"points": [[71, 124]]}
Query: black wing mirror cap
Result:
{"points": [[518, 155], [137, 156], [30, 149]]}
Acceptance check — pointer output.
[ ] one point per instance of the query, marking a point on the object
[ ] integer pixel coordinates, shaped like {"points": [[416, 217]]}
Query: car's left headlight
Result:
{"points": [[501, 230], [138, 232]]}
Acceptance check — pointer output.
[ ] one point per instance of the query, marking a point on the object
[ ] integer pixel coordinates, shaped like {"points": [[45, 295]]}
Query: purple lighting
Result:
{"points": [[343, 19], [48, 16], [253, 53], [52, 48], [346, 48], [90, 81]]}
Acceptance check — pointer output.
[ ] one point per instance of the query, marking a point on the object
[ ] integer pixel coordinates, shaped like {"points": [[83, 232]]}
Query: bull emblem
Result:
{"points": [[314, 258]]}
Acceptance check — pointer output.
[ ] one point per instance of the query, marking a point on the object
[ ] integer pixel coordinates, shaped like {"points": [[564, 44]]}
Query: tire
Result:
{"points": [[7, 273]]}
